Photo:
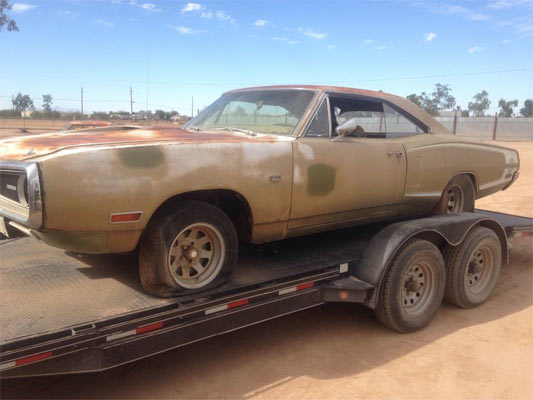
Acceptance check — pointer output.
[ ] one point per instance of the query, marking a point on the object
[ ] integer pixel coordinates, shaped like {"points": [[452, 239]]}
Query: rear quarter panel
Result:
{"points": [[432, 160]]}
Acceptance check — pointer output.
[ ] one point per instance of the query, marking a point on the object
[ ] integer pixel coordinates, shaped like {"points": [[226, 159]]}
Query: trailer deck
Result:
{"points": [[85, 313]]}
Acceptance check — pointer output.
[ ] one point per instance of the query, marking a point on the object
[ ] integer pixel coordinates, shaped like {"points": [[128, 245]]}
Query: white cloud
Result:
{"points": [[381, 47], [260, 22], [331, 46], [474, 49], [184, 30], [312, 34], [428, 37], [191, 7], [506, 41], [104, 22], [207, 15], [222, 16], [145, 6], [67, 13], [503, 4], [22, 7], [369, 41], [149, 7], [278, 38], [292, 42]]}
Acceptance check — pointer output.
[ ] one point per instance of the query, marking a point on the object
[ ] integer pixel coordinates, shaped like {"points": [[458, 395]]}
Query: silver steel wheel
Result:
{"points": [[456, 199], [479, 271], [196, 255], [418, 286]]}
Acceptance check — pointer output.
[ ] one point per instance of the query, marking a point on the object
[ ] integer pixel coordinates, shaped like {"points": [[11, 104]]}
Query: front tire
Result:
{"points": [[190, 247], [413, 288]]}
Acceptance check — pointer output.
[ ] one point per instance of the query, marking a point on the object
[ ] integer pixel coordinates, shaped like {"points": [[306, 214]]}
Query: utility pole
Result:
{"points": [[131, 103], [82, 100], [192, 107]]}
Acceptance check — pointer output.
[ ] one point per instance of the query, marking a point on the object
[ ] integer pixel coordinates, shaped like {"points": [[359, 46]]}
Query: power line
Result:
{"points": [[241, 83]]}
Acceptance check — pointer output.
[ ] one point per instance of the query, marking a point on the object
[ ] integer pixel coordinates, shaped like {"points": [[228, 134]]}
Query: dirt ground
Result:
{"points": [[341, 351]]}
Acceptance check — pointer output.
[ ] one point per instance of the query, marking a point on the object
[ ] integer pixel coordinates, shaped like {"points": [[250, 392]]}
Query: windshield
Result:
{"points": [[257, 111]]}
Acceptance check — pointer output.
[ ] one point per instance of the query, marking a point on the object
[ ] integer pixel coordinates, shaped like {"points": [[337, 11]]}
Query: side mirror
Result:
{"points": [[346, 127]]}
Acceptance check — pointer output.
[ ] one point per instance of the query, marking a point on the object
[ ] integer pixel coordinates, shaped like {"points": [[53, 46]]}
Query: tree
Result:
{"points": [[527, 110], [160, 114], [415, 99], [47, 102], [4, 19], [22, 102], [441, 97], [507, 107], [99, 115], [480, 104]]}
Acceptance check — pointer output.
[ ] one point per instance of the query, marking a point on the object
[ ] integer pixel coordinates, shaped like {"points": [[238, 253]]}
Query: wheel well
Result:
{"points": [[233, 204]]}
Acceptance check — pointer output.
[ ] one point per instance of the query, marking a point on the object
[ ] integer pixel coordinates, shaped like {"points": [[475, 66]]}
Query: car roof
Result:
{"points": [[400, 101], [326, 88]]}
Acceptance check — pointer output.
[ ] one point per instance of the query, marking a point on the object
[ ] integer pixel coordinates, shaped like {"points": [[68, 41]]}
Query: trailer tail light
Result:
{"points": [[121, 218]]}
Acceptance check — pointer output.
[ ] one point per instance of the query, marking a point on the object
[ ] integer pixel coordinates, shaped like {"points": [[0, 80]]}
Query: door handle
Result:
{"points": [[397, 153]]}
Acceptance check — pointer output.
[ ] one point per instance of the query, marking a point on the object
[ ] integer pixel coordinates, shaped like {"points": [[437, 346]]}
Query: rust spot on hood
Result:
{"points": [[21, 148]]}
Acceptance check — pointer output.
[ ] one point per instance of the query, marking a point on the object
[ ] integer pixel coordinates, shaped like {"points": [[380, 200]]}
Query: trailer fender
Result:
{"points": [[442, 230]]}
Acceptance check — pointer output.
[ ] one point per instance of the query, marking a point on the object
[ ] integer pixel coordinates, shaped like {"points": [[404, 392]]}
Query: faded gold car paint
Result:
{"points": [[293, 185]]}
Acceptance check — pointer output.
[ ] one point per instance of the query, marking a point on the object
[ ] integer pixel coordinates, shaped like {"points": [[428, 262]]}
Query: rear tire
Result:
{"points": [[412, 290], [459, 195], [190, 247], [473, 268]]}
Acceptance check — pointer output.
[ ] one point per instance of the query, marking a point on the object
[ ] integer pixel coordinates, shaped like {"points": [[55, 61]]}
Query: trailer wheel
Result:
{"points": [[412, 290], [459, 195], [193, 247], [473, 268]]}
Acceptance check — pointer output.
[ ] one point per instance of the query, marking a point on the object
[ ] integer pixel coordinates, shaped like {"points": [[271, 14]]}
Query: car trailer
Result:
{"points": [[64, 313]]}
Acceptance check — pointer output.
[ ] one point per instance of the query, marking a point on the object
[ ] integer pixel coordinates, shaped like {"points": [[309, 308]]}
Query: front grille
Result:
{"points": [[13, 186]]}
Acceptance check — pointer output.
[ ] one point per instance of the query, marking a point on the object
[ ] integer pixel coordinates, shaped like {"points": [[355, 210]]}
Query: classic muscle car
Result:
{"points": [[258, 165]]}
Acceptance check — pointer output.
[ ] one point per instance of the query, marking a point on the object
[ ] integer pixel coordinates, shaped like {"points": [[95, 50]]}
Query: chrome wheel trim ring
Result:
{"points": [[196, 255]]}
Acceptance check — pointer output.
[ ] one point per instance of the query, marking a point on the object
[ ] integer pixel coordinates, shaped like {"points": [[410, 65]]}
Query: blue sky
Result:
{"points": [[169, 51]]}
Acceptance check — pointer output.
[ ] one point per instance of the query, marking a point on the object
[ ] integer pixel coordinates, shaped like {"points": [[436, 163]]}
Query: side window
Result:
{"points": [[372, 118], [319, 127], [397, 125], [366, 115]]}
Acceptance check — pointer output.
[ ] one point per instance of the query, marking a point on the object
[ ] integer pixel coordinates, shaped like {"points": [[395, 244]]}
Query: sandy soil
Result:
{"points": [[341, 351]]}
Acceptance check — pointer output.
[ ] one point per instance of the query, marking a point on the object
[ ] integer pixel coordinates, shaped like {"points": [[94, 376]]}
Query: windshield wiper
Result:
{"points": [[229, 128]]}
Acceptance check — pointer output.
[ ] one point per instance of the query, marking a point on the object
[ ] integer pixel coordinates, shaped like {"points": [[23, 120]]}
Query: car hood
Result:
{"points": [[30, 147]]}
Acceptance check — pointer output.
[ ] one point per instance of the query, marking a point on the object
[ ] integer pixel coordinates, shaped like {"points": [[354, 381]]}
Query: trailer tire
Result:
{"points": [[472, 268], [413, 287], [190, 247], [459, 195]]}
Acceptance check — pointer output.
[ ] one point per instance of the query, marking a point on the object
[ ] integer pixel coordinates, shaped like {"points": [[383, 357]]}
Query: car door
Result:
{"points": [[344, 180]]}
